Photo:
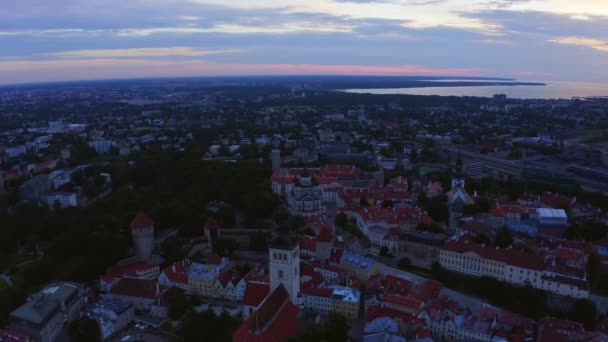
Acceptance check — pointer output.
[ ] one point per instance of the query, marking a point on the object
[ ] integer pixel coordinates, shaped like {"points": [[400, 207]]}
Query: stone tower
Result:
{"points": [[212, 230], [142, 232], [275, 156]]}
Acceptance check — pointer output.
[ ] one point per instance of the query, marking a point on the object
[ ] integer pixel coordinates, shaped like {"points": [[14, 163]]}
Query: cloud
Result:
{"points": [[74, 69], [596, 44], [141, 52]]}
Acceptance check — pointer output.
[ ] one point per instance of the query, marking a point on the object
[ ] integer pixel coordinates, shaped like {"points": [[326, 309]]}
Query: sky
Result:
{"points": [[53, 40]]}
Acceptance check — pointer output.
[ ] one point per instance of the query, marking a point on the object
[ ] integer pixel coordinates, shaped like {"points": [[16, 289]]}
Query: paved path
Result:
{"points": [[7, 279]]}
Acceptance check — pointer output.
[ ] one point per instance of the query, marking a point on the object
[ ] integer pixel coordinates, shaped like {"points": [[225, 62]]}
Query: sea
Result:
{"points": [[552, 90]]}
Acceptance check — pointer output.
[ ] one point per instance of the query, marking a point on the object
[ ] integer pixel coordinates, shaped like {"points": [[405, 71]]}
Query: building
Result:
{"points": [[284, 265], [44, 315], [202, 277], [141, 293], [101, 146], [421, 248], [135, 269], [552, 217], [345, 301], [306, 196], [560, 271], [359, 266], [112, 315], [175, 275], [36, 189], [275, 319], [255, 293], [142, 232], [62, 199]]}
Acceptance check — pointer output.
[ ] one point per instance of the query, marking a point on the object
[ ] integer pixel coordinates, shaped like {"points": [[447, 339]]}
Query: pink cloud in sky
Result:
{"points": [[532, 74], [20, 71]]}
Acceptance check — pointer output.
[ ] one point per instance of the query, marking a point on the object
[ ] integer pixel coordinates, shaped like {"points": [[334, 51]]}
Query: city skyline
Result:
{"points": [[523, 39]]}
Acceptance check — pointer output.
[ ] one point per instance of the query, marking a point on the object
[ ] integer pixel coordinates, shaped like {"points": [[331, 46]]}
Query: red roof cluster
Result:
{"points": [[255, 292], [136, 287], [406, 301], [130, 269], [141, 221], [340, 171], [377, 311], [396, 285], [178, 272], [275, 320]]}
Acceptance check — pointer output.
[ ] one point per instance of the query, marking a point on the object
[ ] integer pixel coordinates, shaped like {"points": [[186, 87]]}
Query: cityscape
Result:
{"points": [[340, 170]]}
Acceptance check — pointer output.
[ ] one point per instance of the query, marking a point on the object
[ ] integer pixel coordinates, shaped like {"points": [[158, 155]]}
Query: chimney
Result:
{"points": [[173, 268]]}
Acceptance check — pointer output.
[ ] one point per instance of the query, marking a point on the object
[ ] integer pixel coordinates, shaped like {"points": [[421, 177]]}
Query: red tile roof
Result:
{"points": [[406, 301], [377, 311], [255, 292], [308, 243], [508, 256], [309, 289], [130, 269], [325, 234], [396, 285], [275, 320], [178, 272], [136, 287], [141, 221]]}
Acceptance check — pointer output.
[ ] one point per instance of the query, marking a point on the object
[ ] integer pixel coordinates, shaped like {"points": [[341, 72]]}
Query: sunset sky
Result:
{"points": [[48, 40]]}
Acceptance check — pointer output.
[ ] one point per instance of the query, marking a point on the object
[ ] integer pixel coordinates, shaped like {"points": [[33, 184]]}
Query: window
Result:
{"points": [[280, 274]]}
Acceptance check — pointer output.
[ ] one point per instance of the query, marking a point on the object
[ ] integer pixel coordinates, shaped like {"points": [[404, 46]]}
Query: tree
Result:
{"points": [[469, 210], [384, 251], [482, 239], [404, 263], [504, 238], [84, 330], [225, 246], [341, 220], [226, 217], [259, 241], [364, 202], [178, 304], [584, 311]]}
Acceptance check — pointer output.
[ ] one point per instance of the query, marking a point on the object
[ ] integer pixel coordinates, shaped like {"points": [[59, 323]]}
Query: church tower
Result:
{"points": [[284, 258], [284, 261], [458, 174]]}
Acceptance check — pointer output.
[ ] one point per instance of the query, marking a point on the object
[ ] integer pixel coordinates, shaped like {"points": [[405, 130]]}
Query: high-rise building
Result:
{"points": [[142, 232]]}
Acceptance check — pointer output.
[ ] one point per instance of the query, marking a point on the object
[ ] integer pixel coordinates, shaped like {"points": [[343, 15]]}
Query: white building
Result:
{"points": [[64, 199]]}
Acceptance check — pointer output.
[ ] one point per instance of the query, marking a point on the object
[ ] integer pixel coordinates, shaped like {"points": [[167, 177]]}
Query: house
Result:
{"points": [[141, 293], [43, 316], [160, 307], [175, 275], [553, 329], [255, 293], [256, 274], [136, 269], [274, 320], [112, 315]]}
